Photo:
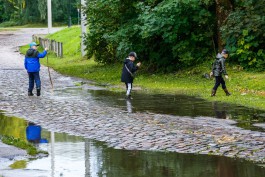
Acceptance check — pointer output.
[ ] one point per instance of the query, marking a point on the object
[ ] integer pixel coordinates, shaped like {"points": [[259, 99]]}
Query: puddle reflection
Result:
{"points": [[129, 106], [75, 156], [33, 134], [180, 105]]}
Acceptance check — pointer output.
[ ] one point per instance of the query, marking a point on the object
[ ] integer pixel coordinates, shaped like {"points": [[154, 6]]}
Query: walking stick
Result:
{"points": [[49, 71]]}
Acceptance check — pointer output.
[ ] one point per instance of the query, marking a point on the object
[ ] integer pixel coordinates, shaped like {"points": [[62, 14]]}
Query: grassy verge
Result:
{"points": [[247, 88], [7, 29], [31, 149]]}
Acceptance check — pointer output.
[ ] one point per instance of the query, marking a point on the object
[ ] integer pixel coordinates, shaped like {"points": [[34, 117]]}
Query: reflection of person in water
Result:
{"points": [[129, 106], [33, 133], [224, 170], [220, 112]]}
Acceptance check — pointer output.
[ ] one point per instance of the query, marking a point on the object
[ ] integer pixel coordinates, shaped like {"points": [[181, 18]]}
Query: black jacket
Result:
{"points": [[219, 66], [126, 76]]}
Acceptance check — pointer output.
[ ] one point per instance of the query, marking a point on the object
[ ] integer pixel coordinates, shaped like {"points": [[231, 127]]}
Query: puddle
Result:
{"points": [[179, 105], [75, 156]]}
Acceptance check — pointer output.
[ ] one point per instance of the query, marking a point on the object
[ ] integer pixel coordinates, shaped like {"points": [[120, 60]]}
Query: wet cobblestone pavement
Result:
{"points": [[10, 152], [78, 115]]}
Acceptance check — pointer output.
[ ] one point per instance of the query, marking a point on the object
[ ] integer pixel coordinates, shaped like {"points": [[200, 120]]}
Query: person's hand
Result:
{"points": [[46, 49], [226, 76], [211, 74], [138, 64]]}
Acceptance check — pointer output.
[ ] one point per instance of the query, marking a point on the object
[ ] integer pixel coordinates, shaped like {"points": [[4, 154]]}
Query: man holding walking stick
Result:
{"points": [[32, 65]]}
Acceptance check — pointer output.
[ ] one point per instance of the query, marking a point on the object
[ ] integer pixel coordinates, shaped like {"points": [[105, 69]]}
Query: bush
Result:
{"points": [[177, 34], [244, 34], [167, 35]]}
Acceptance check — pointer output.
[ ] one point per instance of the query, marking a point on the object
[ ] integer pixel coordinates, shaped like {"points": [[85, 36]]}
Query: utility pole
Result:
{"points": [[83, 26], [49, 9]]}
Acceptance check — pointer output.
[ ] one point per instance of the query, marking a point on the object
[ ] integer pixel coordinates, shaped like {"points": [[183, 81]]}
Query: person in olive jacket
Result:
{"points": [[218, 69], [127, 72]]}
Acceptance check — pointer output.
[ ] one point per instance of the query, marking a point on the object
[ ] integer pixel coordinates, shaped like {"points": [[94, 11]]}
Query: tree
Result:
{"points": [[42, 7], [35, 11], [223, 9]]}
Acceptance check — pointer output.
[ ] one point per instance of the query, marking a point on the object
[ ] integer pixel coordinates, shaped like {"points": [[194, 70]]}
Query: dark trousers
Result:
{"points": [[34, 76], [128, 88], [219, 80]]}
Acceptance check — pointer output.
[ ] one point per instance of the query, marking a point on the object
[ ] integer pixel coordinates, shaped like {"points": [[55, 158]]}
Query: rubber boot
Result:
{"points": [[38, 92], [226, 92], [213, 93], [30, 93], [128, 97]]}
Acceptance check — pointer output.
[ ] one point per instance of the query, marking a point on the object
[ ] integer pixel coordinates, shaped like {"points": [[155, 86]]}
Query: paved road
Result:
{"points": [[64, 110]]}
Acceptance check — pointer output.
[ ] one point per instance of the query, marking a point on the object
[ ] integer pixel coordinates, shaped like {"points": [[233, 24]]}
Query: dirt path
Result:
{"points": [[65, 111]]}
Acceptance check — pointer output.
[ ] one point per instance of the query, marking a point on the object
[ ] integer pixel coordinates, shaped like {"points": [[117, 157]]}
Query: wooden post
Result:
{"points": [[49, 44], [57, 49], [61, 50]]}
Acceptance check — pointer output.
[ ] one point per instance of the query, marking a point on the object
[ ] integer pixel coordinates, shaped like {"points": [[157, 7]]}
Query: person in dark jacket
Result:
{"points": [[32, 65], [127, 72], [218, 69]]}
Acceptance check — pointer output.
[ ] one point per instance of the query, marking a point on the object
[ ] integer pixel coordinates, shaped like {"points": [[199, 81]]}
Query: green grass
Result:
{"points": [[247, 88], [7, 29], [71, 41], [31, 149], [13, 24]]}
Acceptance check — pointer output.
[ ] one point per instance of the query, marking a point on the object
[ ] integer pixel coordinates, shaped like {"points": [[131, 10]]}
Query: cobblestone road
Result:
{"points": [[75, 114]]}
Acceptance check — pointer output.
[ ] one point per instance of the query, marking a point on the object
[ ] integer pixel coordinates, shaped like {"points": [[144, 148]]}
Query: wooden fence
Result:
{"points": [[52, 45]]}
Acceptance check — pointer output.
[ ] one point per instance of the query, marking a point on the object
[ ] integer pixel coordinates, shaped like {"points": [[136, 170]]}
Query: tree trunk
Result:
{"points": [[223, 8]]}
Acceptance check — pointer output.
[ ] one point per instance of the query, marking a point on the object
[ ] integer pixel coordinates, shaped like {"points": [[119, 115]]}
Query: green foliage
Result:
{"points": [[177, 33], [244, 34], [35, 11], [8, 10], [105, 18], [166, 34]]}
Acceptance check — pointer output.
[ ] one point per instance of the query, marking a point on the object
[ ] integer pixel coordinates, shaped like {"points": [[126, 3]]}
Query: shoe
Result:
{"points": [[226, 92], [128, 97], [30, 93], [213, 93], [38, 92]]}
